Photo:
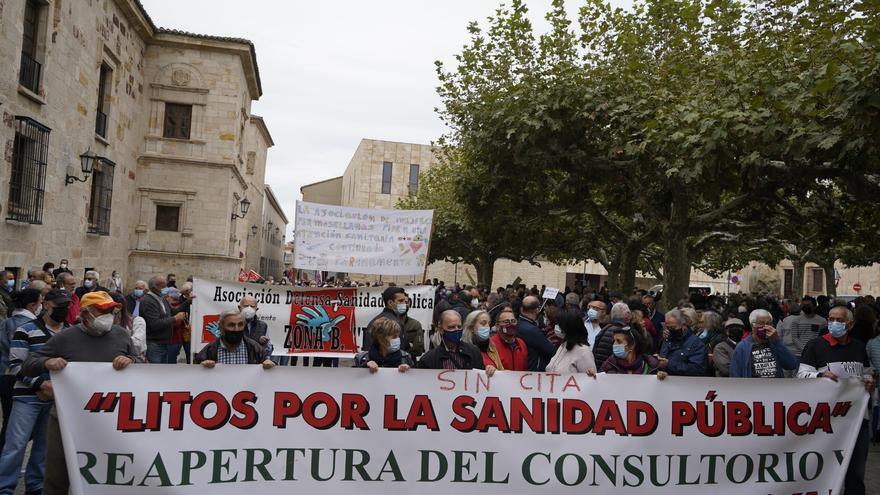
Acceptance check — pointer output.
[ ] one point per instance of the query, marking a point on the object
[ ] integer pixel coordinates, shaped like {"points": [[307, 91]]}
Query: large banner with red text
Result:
{"points": [[191, 430], [327, 322]]}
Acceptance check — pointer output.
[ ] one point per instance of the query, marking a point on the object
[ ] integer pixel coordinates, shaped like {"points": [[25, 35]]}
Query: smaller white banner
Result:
{"points": [[361, 240]]}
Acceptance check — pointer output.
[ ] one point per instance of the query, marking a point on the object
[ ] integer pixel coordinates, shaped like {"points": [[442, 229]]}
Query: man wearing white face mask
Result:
{"points": [[835, 355], [90, 284], [254, 328], [96, 339], [593, 320], [395, 309]]}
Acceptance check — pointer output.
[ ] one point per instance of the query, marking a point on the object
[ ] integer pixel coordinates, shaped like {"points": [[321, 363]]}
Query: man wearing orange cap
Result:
{"points": [[94, 339]]}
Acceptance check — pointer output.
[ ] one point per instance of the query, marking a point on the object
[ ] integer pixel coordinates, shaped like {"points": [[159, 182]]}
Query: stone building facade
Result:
{"points": [[163, 116], [272, 232], [326, 192]]}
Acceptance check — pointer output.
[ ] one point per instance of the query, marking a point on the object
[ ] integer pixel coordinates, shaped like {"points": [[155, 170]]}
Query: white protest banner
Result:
{"points": [[192, 430], [361, 240], [302, 321]]}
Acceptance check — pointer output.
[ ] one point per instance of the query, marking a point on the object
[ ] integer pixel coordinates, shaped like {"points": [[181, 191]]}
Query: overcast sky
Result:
{"points": [[334, 72]]}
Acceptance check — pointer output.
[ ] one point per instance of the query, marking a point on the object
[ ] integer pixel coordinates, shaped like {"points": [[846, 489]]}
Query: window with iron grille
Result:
{"points": [[27, 181], [386, 177], [413, 178], [178, 119], [167, 218], [103, 93], [29, 74], [102, 197]]}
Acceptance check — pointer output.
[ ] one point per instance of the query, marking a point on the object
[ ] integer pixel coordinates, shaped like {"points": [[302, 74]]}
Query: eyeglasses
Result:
{"points": [[597, 308], [507, 322]]}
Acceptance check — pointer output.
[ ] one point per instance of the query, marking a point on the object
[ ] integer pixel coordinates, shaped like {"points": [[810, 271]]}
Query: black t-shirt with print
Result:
{"points": [[819, 353]]}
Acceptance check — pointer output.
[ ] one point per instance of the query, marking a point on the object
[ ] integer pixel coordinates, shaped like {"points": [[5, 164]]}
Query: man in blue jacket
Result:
{"points": [[762, 354], [683, 353]]}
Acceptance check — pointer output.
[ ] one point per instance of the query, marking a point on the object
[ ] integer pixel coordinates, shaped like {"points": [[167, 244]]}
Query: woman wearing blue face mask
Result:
{"points": [[479, 332], [384, 351], [628, 359]]}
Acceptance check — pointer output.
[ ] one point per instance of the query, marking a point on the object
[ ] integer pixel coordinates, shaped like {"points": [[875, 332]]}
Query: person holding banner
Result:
{"points": [[453, 353], [95, 339], [233, 347], [574, 354], [628, 358], [506, 351], [385, 351], [837, 355]]}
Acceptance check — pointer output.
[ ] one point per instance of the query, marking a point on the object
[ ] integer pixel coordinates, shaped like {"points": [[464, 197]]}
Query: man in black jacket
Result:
{"points": [[540, 349], [233, 347], [160, 317], [452, 353], [395, 309]]}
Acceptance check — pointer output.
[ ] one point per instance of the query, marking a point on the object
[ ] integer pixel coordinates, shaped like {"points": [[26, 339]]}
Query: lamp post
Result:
{"points": [[245, 205], [87, 164]]}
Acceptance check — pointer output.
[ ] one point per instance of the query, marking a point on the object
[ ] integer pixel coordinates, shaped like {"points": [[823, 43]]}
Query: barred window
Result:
{"points": [[27, 181], [178, 119], [102, 197], [29, 72]]}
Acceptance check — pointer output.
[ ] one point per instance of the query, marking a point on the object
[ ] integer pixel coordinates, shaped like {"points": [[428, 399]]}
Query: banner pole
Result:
{"points": [[428, 251]]}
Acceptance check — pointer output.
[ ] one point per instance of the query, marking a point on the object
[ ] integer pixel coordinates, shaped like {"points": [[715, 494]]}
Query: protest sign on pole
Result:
{"points": [[361, 240], [191, 430], [326, 322]]}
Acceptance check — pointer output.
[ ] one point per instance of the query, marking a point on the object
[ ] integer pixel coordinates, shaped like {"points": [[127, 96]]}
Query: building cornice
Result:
{"points": [[142, 23], [157, 158], [261, 125], [274, 202]]}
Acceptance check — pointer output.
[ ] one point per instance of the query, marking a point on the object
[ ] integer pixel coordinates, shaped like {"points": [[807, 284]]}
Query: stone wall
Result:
{"points": [[327, 192], [362, 181], [74, 44]]}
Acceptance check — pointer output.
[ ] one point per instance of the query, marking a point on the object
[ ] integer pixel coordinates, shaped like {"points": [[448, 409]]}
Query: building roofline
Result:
{"points": [[261, 125], [144, 24], [319, 182], [271, 196]]}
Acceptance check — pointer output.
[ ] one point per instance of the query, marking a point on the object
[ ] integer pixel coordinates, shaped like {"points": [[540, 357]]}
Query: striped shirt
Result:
{"points": [[238, 356], [28, 338]]}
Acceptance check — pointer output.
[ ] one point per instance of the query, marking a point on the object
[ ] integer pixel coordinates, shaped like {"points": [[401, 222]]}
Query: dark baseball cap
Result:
{"points": [[57, 296]]}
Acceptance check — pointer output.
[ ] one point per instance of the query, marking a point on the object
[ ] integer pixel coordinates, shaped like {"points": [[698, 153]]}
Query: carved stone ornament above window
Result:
{"points": [[180, 77]]}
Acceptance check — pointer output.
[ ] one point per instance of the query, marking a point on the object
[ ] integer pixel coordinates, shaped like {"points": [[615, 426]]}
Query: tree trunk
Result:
{"points": [[629, 260], [613, 269], [828, 268], [676, 255], [676, 271], [485, 266], [797, 279]]}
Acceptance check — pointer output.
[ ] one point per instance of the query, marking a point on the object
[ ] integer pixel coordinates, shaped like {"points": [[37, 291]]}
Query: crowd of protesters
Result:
{"points": [[52, 318]]}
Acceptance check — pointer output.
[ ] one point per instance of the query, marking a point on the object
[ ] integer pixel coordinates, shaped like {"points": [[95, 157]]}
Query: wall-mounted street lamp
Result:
{"points": [[87, 164], [245, 206]]}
